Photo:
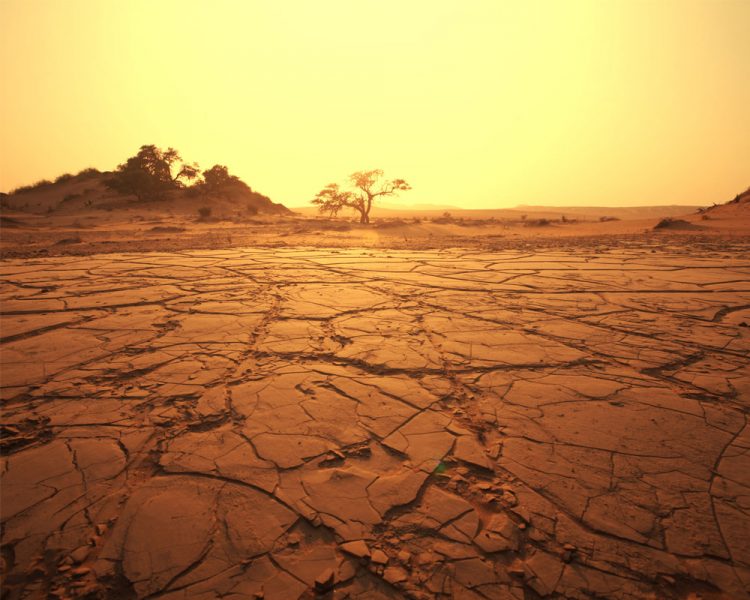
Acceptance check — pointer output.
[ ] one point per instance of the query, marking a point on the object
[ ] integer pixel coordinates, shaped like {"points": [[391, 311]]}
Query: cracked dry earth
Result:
{"points": [[265, 423]]}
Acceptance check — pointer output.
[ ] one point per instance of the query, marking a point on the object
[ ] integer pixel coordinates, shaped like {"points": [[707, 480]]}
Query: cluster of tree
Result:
{"points": [[153, 173], [366, 187]]}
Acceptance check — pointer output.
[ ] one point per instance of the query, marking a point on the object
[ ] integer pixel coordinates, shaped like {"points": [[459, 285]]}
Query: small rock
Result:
{"points": [[522, 512], [80, 571], [358, 549], [427, 558], [510, 498], [394, 575], [293, 539], [494, 450], [80, 554], [101, 529], [63, 568], [379, 557], [325, 581], [346, 571], [468, 450], [404, 556]]}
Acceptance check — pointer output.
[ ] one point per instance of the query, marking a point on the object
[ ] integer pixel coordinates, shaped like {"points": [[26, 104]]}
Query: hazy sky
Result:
{"points": [[475, 103]]}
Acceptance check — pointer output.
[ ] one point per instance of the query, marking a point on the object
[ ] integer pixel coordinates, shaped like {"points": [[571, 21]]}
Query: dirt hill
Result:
{"points": [[87, 193], [731, 217]]}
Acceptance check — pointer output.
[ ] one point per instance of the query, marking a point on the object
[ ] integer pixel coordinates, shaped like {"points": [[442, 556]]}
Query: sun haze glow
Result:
{"points": [[477, 104]]}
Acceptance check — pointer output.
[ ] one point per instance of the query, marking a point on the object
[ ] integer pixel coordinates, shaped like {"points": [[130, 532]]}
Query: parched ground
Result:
{"points": [[285, 423]]}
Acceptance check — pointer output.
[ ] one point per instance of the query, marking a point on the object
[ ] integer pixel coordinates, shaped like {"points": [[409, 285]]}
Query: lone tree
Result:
{"points": [[366, 186]]}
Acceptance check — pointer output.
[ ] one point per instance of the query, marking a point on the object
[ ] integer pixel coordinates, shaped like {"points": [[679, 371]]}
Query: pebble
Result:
{"points": [[80, 554]]}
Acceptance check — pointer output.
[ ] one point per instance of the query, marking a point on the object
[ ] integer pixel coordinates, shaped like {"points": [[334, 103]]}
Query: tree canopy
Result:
{"points": [[152, 172], [365, 186]]}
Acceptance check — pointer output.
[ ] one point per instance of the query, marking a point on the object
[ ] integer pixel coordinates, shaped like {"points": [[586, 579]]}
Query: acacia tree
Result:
{"points": [[367, 186], [148, 174], [331, 199]]}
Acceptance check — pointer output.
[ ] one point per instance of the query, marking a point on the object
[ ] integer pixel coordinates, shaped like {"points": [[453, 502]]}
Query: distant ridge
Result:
{"points": [[622, 212]]}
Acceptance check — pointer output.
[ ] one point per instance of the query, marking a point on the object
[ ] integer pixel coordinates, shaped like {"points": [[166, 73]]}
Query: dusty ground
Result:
{"points": [[265, 423], [28, 236]]}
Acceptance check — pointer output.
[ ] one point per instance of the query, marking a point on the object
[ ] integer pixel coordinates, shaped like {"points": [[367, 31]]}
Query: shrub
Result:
{"points": [[538, 223], [88, 173], [664, 223], [63, 178], [30, 188]]}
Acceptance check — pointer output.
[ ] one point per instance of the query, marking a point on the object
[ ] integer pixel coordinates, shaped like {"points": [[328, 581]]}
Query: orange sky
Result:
{"points": [[475, 103]]}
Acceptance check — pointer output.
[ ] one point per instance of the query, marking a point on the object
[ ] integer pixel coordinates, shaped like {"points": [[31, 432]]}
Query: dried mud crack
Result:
{"points": [[300, 423]]}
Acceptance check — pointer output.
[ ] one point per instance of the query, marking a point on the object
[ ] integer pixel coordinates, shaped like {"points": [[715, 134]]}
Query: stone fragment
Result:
{"points": [[356, 548], [325, 581], [468, 450], [394, 575]]}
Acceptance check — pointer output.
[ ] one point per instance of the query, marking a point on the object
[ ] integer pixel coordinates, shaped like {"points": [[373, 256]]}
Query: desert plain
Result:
{"points": [[326, 411]]}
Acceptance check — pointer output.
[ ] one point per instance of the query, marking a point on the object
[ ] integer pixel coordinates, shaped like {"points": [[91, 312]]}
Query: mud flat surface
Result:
{"points": [[286, 423]]}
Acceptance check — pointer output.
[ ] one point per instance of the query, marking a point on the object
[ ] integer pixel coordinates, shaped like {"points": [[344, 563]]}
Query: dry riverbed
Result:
{"points": [[290, 422]]}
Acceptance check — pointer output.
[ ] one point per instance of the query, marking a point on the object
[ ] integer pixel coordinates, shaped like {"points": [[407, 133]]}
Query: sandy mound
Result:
{"points": [[88, 194]]}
